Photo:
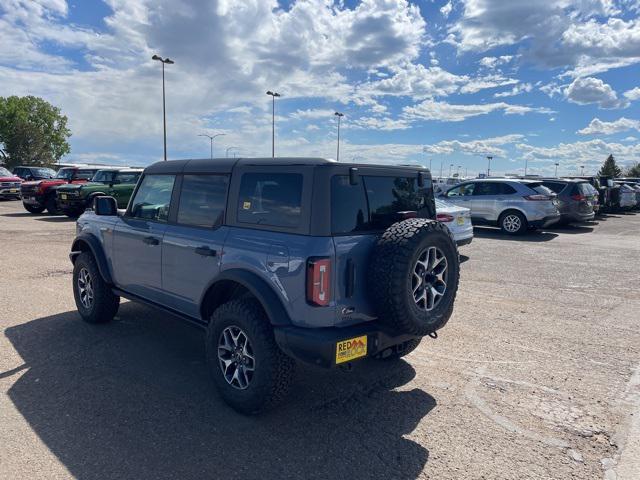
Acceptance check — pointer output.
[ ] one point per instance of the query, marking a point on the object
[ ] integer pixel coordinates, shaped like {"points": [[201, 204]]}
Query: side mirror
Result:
{"points": [[106, 206]]}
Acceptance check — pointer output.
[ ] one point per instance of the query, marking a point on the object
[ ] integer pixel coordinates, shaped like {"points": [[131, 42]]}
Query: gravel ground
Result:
{"points": [[537, 375]]}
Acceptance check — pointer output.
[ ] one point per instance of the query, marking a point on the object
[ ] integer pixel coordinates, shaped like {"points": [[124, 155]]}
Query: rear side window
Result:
{"points": [[349, 211], [153, 198], [85, 174], [540, 188], [487, 188], [127, 177], [555, 187], [104, 176], [273, 199], [202, 200], [462, 191], [585, 189], [374, 203]]}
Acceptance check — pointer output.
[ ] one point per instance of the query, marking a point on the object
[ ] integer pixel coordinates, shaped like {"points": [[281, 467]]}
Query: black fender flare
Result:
{"points": [[259, 288], [87, 241]]}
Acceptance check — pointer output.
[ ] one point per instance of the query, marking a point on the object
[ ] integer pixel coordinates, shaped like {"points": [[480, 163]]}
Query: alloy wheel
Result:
{"points": [[236, 358], [429, 280], [512, 223], [85, 288]]}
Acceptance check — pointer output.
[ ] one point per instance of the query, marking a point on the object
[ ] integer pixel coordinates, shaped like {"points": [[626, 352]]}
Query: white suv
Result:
{"points": [[511, 204]]}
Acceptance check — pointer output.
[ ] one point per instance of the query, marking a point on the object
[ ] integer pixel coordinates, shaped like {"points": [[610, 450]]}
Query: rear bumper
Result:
{"points": [[578, 217], [545, 222], [317, 346]]}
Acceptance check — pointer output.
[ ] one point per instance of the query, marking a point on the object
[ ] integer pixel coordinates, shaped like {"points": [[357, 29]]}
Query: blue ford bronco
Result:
{"points": [[278, 260]]}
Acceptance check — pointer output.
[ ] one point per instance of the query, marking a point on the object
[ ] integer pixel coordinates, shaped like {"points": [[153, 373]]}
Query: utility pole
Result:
{"points": [[164, 61], [273, 121], [339, 115]]}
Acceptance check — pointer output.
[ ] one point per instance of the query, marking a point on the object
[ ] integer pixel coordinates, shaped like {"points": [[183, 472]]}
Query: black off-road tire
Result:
{"points": [[51, 205], [274, 370], [524, 225], [105, 303], [32, 208], [401, 350], [391, 271]]}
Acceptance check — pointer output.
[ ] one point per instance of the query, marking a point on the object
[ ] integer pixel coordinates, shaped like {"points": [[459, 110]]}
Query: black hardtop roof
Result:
{"points": [[225, 165]]}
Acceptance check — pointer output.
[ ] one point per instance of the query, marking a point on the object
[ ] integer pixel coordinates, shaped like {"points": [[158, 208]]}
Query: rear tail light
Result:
{"points": [[318, 281], [537, 198], [578, 198], [444, 217]]}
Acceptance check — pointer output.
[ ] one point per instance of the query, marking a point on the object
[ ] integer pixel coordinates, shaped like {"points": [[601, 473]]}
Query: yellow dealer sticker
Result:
{"points": [[347, 350], [246, 205]]}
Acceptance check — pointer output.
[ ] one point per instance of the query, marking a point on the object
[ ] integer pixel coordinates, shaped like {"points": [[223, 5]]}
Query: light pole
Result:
{"points": [[458, 173], [273, 121], [226, 154], [526, 164], [557, 169], [339, 115], [441, 165], [489, 157], [424, 150], [450, 168], [164, 61], [211, 137], [581, 170]]}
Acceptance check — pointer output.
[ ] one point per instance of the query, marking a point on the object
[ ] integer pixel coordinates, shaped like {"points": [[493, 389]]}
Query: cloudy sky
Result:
{"points": [[439, 81]]}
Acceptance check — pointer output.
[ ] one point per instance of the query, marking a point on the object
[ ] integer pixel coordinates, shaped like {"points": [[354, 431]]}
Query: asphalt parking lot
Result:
{"points": [[537, 375]]}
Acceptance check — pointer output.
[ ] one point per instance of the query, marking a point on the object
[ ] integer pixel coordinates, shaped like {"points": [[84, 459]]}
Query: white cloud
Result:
{"points": [[561, 34], [589, 90], [313, 113], [447, 112], [598, 127], [592, 152], [446, 9], [516, 90], [474, 147], [633, 94], [493, 62]]}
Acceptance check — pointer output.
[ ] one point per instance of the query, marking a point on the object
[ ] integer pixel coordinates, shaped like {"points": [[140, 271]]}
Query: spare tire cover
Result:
{"points": [[413, 276]]}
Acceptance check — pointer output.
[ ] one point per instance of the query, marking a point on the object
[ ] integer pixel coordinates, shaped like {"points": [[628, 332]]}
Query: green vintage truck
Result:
{"points": [[119, 183]]}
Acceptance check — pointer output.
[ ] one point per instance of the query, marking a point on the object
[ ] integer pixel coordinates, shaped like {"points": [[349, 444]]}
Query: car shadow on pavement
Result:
{"points": [[133, 399], [573, 229], [25, 214], [56, 219], [534, 236]]}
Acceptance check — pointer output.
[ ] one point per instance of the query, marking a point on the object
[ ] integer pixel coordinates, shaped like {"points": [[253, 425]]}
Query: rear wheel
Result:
{"points": [[513, 223], [32, 208], [250, 371]]}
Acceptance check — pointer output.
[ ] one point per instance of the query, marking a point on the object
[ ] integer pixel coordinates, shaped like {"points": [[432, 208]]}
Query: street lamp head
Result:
{"points": [[169, 61], [273, 94], [156, 57], [338, 114]]}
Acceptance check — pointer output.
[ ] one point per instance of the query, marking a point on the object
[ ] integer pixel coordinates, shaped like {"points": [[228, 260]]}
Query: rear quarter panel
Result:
{"points": [[280, 260]]}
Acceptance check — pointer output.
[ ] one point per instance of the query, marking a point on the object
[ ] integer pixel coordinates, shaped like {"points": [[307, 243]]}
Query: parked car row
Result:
{"points": [[520, 204]]}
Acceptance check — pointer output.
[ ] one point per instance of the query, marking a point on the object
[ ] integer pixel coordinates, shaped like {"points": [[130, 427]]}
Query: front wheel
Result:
{"points": [[94, 298], [32, 208], [250, 371], [513, 223], [52, 205]]}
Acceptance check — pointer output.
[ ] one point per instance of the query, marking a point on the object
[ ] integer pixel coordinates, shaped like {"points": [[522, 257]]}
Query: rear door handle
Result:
{"points": [[206, 252], [151, 240]]}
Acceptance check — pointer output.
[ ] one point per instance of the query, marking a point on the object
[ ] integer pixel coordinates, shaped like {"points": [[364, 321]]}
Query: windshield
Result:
{"points": [[43, 172], [104, 176], [65, 174], [5, 173]]}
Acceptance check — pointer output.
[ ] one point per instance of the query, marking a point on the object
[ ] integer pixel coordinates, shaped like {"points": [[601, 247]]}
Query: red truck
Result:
{"points": [[9, 184], [41, 194]]}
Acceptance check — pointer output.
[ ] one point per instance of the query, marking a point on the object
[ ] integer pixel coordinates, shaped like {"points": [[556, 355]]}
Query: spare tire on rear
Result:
{"points": [[413, 276]]}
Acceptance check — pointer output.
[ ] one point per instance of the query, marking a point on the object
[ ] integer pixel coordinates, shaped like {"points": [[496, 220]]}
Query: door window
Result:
{"points": [[153, 198], [273, 199], [465, 190], [202, 200]]}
